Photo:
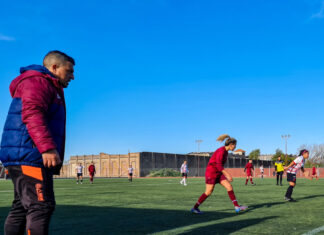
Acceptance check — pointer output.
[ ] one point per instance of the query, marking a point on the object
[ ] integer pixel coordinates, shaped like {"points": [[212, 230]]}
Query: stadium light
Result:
{"points": [[199, 142], [285, 137]]}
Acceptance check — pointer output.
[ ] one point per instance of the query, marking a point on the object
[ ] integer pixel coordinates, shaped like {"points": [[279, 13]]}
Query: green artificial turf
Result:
{"points": [[162, 206]]}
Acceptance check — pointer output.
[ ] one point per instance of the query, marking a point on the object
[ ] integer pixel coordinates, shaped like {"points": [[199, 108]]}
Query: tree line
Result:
{"points": [[316, 155]]}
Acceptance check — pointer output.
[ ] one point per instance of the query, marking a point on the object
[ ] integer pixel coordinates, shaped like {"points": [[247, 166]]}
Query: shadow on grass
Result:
{"points": [[71, 220], [256, 206], [227, 227]]}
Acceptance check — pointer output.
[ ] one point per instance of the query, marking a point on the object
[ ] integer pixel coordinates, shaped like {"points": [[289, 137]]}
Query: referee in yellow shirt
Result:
{"points": [[279, 169]]}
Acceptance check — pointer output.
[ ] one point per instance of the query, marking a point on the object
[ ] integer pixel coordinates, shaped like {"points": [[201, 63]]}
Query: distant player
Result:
{"points": [[184, 172], [79, 172], [92, 172], [6, 174], [216, 174], [292, 170], [130, 173], [261, 171], [279, 169], [249, 168], [314, 173]]}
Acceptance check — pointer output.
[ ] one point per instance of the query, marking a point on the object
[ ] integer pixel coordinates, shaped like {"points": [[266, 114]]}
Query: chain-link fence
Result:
{"points": [[197, 164]]}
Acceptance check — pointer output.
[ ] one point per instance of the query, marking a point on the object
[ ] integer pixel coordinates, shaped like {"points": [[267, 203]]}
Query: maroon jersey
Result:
{"points": [[314, 170], [218, 160], [92, 169], [249, 167]]}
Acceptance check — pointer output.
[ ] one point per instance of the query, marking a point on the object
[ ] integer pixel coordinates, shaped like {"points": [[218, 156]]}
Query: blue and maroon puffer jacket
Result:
{"points": [[36, 118]]}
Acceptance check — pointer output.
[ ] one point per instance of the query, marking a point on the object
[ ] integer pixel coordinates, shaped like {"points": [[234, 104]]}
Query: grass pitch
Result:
{"points": [[161, 206]]}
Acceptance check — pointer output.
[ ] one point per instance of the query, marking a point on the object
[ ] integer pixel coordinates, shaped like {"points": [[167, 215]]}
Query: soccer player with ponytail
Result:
{"points": [[216, 174], [292, 170]]}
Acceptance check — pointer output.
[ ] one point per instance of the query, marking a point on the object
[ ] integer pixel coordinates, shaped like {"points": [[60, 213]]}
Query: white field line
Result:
{"points": [[317, 230]]}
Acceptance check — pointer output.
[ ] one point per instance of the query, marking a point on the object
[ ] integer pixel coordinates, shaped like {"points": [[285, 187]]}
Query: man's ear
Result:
{"points": [[54, 68]]}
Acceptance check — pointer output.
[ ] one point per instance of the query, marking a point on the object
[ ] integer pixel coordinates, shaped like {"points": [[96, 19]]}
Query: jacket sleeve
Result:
{"points": [[36, 96]]}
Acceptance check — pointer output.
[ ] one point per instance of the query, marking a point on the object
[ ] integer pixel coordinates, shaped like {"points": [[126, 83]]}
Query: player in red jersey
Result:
{"points": [[249, 168], [92, 172], [314, 173], [216, 174]]}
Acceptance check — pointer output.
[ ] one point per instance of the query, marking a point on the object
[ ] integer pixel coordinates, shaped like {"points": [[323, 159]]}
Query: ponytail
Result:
{"points": [[228, 140]]}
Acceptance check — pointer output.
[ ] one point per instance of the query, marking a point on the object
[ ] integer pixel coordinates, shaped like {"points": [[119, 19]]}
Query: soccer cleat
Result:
{"points": [[196, 211], [181, 182], [253, 184], [292, 200], [240, 208], [185, 184]]}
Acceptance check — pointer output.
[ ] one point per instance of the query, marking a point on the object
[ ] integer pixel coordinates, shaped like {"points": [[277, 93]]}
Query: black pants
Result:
{"points": [[279, 174], [33, 203]]}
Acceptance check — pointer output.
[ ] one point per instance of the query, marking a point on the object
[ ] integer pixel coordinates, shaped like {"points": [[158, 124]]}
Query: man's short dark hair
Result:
{"points": [[57, 57]]}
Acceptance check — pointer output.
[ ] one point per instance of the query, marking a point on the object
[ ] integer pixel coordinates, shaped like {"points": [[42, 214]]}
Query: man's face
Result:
{"points": [[64, 73]]}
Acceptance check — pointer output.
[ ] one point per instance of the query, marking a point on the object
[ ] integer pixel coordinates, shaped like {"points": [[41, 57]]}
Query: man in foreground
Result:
{"points": [[33, 141]]}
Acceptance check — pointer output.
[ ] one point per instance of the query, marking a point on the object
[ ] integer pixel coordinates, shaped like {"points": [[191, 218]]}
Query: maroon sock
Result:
{"points": [[232, 197], [246, 181], [251, 180], [202, 198]]}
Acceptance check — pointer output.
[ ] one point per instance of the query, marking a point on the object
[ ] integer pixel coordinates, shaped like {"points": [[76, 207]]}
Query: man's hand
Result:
{"points": [[51, 158]]}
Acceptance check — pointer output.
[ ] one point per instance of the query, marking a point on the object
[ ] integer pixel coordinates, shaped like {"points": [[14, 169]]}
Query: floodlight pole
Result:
{"points": [[198, 142], [286, 137]]}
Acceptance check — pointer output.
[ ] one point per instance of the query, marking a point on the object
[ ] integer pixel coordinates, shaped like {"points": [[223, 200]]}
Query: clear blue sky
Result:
{"points": [[157, 75]]}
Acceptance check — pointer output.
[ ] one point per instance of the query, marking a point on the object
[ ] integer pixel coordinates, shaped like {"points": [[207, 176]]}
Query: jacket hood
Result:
{"points": [[29, 71], [37, 68]]}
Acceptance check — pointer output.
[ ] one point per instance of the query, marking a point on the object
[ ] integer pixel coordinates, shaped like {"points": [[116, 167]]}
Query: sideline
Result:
{"points": [[314, 231]]}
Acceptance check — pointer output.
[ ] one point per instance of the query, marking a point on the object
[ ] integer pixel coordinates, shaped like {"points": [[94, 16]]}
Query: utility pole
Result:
{"points": [[285, 137], [198, 142]]}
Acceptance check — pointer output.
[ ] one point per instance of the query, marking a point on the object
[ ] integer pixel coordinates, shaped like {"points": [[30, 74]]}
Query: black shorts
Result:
{"points": [[130, 174], [79, 174], [291, 177], [184, 174]]}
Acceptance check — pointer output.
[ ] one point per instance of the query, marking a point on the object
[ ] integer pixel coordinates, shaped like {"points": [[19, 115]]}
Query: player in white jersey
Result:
{"points": [[130, 173], [292, 169], [261, 171], [184, 172], [79, 172]]}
